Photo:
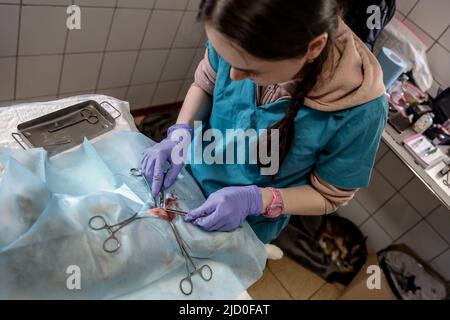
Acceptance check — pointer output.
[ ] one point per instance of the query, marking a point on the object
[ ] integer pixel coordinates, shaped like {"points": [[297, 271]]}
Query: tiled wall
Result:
{"points": [[430, 20], [143, 51], [398, 208]]}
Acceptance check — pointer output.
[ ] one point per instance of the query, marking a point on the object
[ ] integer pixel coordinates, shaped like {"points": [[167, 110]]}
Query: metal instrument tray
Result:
{"points": [[66, 128]]}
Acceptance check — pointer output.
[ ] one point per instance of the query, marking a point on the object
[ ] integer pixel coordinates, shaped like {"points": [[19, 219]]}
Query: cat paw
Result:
{"points": [[273, 252]]}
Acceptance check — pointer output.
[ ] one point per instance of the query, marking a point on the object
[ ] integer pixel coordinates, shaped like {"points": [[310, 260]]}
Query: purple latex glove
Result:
{"points": [[227, 208], [152, 164]]}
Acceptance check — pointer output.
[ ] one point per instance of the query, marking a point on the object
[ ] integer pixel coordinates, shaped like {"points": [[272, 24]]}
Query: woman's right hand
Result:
{"points": [[152, 164]]}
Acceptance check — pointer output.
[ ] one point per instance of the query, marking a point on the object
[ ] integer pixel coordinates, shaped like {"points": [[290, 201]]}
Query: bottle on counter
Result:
{"points": [[423, 123]]}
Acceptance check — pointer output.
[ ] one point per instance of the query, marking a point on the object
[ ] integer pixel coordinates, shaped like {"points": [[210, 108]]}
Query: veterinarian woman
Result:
{"points": [[288, 65]]}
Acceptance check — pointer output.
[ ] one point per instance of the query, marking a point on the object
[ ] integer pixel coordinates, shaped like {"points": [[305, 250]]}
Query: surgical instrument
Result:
{"points": [[57, 143], [112, 243], [86, 115], [138, 173], [205, 271]]}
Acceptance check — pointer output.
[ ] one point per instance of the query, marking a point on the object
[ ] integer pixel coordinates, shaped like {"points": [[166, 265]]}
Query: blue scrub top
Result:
{"points": [[340, 146]]}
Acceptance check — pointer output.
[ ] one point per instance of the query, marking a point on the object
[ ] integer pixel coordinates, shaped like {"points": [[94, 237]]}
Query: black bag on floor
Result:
{"points": [[300, 241]]}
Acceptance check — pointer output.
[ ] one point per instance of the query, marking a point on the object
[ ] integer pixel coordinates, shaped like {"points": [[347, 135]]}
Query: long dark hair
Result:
{"points": [[277, 30]]}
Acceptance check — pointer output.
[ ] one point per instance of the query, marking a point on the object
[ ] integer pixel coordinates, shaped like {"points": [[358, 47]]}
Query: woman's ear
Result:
{"points": [[316, 46]]}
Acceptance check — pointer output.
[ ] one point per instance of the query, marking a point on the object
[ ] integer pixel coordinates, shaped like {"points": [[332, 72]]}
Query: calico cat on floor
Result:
{"points": [[342, 242]]}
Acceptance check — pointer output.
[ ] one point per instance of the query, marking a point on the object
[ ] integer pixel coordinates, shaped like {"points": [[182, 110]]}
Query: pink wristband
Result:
{"points": [[276, 207]]}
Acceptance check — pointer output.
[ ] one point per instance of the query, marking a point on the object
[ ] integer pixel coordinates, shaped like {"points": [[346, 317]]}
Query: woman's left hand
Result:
{"points": [[227, 208]]}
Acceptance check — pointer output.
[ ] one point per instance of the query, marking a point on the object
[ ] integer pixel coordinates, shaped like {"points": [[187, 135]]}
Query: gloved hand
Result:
{"points": [[152, 164], [227, 208]]}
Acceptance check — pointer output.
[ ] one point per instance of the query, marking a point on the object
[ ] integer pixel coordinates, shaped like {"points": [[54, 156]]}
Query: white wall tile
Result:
{"points": [[203, 40], [95, 24], [440, 220], [354, 212], [7, 104], [199, 55], [118, 93], [74, 94], [171, 4], [400, 16], [7, 78], [38, 76], [43, 30], [96, 3], [184, 89], [80, 72], [167, 92], [405, 6], [10, 1], [136, 3], [9, 26], [442, 265], [194, 5], [424, 241], [178, 64], [377, 194], [420, 197], [396, 216], [377, 239], [439, 60], [431, 16], [190, 31], [117, 69], [51, 2], [426, 39], [394, 170], [149, 66], [128, 29], [444, 40], [162, 29], [36, 99], [140, 96]]}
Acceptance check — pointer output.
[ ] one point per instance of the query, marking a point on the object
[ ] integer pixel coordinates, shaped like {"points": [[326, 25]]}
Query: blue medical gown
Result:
{"points": [[340, 146], [46, 206]]}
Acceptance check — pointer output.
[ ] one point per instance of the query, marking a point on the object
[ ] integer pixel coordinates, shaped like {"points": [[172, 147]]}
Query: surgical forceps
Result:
{"points": [[112, 243], [137, 173], [205, 271], [86, 115]]}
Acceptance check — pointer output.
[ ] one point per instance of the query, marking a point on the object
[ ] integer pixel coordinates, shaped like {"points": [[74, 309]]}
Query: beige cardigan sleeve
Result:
{"points": [[331, 197], [205, 76]]}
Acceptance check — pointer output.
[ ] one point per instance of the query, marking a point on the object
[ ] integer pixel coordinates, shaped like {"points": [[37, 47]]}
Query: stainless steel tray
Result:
{"points": [[66, 128]]}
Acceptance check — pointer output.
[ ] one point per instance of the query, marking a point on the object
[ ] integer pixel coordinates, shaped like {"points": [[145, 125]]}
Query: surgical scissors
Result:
{"points": [[86, 115], [111, 244]]}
